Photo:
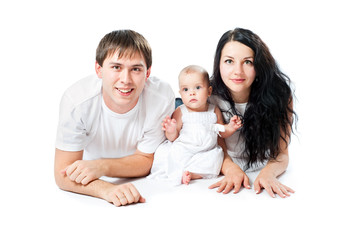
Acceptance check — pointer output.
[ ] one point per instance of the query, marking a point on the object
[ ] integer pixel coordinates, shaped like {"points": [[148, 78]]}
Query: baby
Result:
{"points": [[191, 151]]}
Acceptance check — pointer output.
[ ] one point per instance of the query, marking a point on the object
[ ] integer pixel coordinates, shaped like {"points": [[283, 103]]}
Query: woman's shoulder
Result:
{"points": [[219, 102]]}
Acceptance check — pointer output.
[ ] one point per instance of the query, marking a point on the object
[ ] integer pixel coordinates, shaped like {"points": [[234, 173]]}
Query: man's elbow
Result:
{"points": [[148, 165], [60, 180]]}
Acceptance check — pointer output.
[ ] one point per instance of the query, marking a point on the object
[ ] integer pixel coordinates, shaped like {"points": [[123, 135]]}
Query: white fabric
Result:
{"points": [[87, 124], [235, 143], [195, 150]]}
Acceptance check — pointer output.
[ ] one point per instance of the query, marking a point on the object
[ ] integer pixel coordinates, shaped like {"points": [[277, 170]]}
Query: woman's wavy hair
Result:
{"points": [[269, 113]]}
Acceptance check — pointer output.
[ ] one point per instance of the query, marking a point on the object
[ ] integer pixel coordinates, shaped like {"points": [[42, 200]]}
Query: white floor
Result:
{"points": [[48, 45], [34, 207]]}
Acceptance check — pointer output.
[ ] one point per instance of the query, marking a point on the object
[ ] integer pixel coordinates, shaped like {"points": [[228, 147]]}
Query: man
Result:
{"points": [[110, 122]]}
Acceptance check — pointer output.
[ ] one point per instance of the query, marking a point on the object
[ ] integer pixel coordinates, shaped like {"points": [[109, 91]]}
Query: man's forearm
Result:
{"points": [[136, 165], [96, 188]]}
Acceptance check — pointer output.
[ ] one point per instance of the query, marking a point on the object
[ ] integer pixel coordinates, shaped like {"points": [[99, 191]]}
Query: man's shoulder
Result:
{"points": [[158, 89], [158, 98], [84, 89]]}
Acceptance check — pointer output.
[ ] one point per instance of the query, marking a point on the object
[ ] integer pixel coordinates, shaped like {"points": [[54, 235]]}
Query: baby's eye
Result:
{"points": [[198, 87], [185, 89]]}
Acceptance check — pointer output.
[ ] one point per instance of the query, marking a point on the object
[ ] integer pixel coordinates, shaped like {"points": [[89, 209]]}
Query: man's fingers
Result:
{"points": [[141, 199]]}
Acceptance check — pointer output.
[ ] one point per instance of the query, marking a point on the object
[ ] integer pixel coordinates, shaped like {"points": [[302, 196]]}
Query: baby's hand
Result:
{"points": [[235, 123], [169, 125]]}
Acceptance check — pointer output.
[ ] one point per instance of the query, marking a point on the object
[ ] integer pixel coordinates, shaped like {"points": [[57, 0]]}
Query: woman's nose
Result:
{"points": [[238, 69]]}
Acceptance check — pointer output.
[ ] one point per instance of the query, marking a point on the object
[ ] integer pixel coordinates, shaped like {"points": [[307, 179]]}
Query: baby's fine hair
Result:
{"points": [[196, 69]]}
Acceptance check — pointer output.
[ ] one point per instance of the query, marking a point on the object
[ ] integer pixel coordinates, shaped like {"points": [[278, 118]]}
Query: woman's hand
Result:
{"points": [[234, 179], [271, 184]]}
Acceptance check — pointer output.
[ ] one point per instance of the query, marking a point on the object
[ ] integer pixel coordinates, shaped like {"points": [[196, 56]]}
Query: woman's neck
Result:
{"points": [[241, 97]]}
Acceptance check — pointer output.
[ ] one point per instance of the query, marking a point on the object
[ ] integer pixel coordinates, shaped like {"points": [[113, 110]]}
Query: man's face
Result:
{"points": [[123, 80]]}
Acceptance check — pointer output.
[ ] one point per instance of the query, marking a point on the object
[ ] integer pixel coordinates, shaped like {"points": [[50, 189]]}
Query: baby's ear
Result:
{"points": [[209, 91]]}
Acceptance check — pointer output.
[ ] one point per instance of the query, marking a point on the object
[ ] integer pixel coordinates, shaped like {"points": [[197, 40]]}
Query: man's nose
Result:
{"points": [[125, 77]]}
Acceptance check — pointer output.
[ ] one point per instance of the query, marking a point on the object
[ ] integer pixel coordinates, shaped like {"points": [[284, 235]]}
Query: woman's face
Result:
{"points": [[237, 70]]}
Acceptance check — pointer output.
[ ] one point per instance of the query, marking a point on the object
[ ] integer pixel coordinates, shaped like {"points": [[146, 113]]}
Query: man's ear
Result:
{"points": [[98, 70], [148, 73]]}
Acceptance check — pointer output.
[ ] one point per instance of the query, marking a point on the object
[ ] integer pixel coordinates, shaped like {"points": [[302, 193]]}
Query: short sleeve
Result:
{"points": [[159, 103], [71, 132]]}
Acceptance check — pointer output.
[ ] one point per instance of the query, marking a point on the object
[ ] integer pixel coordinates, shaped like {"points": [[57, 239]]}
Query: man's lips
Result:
{"points": [[124, 91]]}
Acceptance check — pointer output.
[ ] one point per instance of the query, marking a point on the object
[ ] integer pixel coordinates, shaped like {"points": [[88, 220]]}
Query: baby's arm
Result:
{"points": [[234, 124], [172, 126]]}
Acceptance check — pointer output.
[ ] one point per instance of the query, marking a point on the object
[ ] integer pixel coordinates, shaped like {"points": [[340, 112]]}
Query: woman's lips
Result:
{"points": [[238, 80]]}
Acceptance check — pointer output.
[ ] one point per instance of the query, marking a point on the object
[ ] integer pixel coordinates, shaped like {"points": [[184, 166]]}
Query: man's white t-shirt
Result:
{"points": [[86, 123]]}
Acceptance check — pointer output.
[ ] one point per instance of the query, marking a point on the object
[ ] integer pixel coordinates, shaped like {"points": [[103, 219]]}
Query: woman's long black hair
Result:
{"points": [[269, 114]]}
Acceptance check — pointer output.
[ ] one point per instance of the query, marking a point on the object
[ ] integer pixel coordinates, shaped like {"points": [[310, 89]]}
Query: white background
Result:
{"points": [[45, 46]]}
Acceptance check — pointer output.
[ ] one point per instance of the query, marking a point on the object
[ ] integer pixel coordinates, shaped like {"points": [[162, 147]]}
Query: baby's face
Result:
{"points": [[194, 91]]}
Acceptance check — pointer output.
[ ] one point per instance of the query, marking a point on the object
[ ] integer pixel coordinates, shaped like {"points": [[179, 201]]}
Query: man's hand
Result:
{"points": [[84, 171], [123, 194]]}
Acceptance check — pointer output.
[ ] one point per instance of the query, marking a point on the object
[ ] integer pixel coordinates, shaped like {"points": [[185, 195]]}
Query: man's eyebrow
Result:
{"points": [[115, 63], [138, 65], [120, 64]]}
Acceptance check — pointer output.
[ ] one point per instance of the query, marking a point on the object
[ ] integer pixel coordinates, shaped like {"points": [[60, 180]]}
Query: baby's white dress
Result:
{"points": [[195, 150]]}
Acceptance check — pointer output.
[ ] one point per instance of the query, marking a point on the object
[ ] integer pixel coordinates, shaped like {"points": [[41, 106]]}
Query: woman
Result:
{"points": [[247, 82]]}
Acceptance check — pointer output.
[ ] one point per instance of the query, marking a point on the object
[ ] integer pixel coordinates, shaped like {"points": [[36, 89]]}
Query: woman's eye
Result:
{"points": [[229, 61], [248, 62]]}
